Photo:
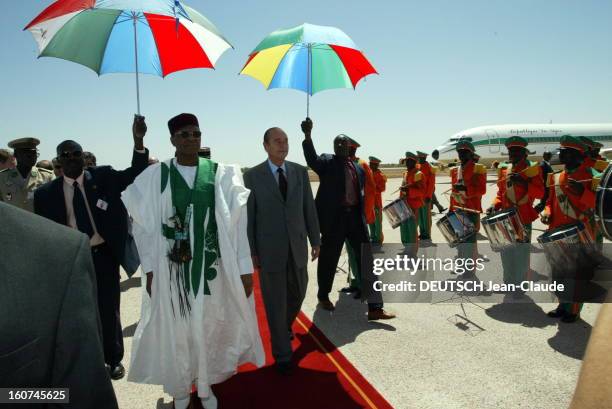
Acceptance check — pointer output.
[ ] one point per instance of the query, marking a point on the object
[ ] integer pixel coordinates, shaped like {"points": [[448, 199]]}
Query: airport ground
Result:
{"points": [[513, 357]]}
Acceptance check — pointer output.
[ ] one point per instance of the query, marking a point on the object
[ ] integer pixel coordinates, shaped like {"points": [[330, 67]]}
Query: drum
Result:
{"points": [[504, 229], [397, 212], [603, 203], [569, 249], [456, 227]]}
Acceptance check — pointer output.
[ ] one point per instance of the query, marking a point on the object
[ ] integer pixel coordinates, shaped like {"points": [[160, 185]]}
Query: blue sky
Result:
{"points": [[444, 66]]}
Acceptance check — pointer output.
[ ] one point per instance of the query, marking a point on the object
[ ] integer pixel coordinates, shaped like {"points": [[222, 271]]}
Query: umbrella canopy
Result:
{"points": [[308, 58], [101, 35]]}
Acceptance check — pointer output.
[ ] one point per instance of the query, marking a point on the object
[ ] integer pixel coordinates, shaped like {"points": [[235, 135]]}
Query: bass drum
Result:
{"points": [[603, 203]]}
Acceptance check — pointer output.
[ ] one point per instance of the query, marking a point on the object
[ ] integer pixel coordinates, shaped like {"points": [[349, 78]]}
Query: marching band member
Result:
{"points": [[519, 184], [430, 184], [469, 184], [571, 199], [592, 159], [412, 191], [376, 232], [369, 197]]}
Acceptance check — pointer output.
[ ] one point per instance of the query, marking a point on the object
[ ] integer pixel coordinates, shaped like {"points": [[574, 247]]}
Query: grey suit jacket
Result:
{"points": [[274, 225], [50, 333]]}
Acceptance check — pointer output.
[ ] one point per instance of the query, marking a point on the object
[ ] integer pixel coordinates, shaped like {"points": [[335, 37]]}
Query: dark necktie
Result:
{"points": [[80, 211], [282, 183]]}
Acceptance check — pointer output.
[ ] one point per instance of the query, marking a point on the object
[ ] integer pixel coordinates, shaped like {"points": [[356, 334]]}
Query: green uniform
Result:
{"points": [[515, 260], [16, 190], [376, 227], [425, 220]]}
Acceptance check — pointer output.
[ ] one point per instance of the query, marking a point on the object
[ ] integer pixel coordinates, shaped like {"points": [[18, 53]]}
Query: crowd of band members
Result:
{"points": [[349, 202], [532, 188]]}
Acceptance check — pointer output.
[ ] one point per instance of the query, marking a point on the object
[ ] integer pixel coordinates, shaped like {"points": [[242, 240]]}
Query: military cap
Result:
{"points": [[568, 141], [410, 155], [465, 145], [516, 141], [422, 154], [374, 159], [590, 143], [352, 142], [24, 143]]}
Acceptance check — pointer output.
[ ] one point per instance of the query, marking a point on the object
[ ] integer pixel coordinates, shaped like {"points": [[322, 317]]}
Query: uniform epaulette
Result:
{"points": [[600, 165], [532, 170], [480, 169]]}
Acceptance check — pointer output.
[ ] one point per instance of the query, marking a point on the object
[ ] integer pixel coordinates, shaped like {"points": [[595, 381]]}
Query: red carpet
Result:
{"points": [[323, 378]]}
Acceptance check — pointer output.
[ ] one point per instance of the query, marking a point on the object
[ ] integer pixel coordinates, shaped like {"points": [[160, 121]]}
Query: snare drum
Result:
{"points": [[603, 203], [397, 212], [570, 247], [504, 229], [456, 227]]}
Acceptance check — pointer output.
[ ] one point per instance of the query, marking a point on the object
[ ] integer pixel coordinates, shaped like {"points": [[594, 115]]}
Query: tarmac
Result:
{"points": [[432, 356]]}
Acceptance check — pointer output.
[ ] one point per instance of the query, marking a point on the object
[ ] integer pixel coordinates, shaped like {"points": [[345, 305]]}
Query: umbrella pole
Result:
{"points": [[135, 20], [308, 81]]}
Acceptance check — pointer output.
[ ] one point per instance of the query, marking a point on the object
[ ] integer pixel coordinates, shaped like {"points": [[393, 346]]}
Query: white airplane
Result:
{"points": [[489, 140]]}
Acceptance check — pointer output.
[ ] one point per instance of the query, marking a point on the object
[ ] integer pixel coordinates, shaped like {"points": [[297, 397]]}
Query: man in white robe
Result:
{"points": [[198, 321]]}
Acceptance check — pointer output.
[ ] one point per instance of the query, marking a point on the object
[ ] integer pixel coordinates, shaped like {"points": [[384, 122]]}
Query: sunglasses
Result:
{"points": [[187, 134], [68, 154]]}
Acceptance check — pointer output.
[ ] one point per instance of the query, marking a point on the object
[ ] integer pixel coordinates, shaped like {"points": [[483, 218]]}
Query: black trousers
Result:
{"points": [[349, 225], [109, 300]]}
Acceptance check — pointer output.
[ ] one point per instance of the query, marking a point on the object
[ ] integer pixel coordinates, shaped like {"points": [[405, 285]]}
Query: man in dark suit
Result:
{"points": [[339, 205], [281, 215], [50, 335], [90, 201]]}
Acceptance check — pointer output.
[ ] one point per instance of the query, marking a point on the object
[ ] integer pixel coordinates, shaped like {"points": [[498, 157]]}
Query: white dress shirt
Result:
{"points": [[96, 239]]}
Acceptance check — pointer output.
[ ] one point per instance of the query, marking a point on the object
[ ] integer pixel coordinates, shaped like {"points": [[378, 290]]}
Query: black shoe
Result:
{"points": [[117, 372], [357, 294], [326, 305], [349, 289], [556, 313], [284, 368], [569, 318]]}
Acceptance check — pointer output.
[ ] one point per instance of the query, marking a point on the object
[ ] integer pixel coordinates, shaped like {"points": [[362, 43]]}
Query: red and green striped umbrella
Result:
{"points": [[156, 37], [308, 58]]}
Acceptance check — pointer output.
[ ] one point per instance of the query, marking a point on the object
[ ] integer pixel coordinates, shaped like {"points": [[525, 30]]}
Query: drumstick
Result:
{"points": [[507, 176], [577, 181], [467, 209]]}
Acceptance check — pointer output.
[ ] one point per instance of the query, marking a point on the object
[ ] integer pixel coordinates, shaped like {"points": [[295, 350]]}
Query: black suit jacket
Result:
{"points": [[50, 333], [332, 185], [101, 183]]}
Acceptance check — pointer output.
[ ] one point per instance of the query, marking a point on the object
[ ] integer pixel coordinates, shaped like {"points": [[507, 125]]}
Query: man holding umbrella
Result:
{"points": [[89, 200], [339, 203]]}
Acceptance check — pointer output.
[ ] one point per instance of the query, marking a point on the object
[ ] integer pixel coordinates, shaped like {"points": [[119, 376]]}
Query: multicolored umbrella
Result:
{"points": [[156, 37], [308, 58]]}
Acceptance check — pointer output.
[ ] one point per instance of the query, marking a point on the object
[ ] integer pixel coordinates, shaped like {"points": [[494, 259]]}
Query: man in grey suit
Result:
{"points": [[51, 334], [281, 214]]}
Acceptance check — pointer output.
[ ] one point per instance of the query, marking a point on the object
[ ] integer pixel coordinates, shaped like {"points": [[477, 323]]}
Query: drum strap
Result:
{"points": [[459, 196], [511, 193], [564, 203]]}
